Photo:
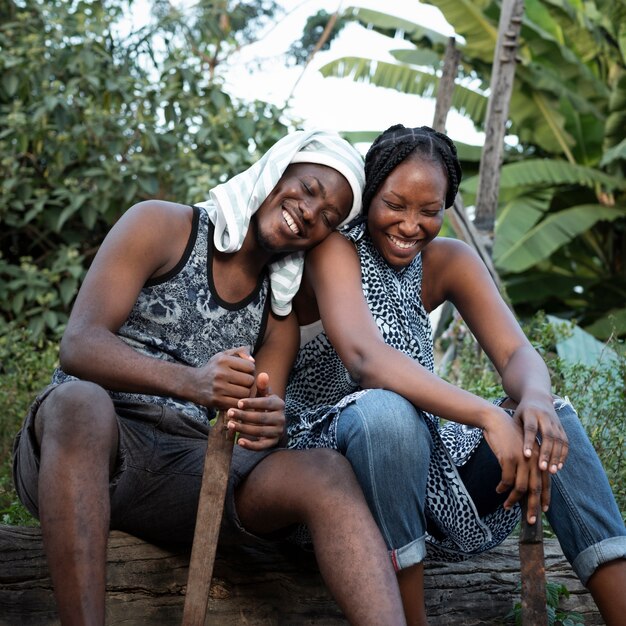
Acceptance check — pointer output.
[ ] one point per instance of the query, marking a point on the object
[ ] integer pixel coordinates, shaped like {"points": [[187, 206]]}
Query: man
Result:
{"points": [[171, 324]]}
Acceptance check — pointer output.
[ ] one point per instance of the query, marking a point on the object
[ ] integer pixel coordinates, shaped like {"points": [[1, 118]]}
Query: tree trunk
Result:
{"points": [[461, 224], [262, 586], [497, 114]]}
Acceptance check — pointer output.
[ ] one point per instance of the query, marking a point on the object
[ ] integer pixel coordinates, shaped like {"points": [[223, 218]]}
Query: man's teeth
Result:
{"points": [[292, 225], [405, 245]]}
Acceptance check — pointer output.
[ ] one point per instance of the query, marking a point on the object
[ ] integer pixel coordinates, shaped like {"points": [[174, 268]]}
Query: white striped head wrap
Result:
{"points": [[231, 204]]}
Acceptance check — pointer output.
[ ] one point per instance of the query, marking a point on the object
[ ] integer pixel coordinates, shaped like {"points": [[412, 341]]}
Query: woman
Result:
{"points": [[364, 384]]}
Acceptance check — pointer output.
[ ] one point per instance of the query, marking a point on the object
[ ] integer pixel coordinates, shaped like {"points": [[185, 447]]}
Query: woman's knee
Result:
{"points": [[73, 409], [387, 424]]}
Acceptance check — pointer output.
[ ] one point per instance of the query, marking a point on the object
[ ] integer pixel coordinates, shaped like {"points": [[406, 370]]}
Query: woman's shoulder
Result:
{"points": [[336, 244], [447, 250], [446, 263]]}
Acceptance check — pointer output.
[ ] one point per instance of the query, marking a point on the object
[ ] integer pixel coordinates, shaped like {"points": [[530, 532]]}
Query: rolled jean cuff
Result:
{"points": [[410, 554], [598, 554]]}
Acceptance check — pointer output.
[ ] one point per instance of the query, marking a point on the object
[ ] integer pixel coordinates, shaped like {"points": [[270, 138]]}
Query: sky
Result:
{"points": [[333, 103]]}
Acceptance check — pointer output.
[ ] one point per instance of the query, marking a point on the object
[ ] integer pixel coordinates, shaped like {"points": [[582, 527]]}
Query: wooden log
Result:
{"points": [[262, 586]]}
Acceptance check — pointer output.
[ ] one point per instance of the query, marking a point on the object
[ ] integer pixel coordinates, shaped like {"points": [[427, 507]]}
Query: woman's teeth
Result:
{"points": [[292, 225], [401, 243]]}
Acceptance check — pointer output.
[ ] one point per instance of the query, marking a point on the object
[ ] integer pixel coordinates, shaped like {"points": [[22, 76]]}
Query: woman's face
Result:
{"points": [[407, 211]]}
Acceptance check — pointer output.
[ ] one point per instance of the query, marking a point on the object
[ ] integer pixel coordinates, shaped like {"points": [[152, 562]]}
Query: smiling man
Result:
{"points": [[186, 311]]}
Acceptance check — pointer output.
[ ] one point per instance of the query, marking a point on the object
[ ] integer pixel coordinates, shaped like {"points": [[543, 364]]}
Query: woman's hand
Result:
{"points": [[536, 415], [520, 473], [259, 421]]}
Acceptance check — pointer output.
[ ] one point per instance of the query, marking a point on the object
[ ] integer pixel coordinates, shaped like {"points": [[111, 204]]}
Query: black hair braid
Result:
{"points": [[382, 163], [395, 144], [453, 178], [452, 165]]}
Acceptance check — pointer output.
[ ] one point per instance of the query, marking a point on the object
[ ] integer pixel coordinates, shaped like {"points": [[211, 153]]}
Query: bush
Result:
{"points": [[93, 120], [26, 364]]}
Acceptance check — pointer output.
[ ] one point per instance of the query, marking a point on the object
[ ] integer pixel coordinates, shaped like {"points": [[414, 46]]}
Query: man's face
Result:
{"points": [[306, 205]]}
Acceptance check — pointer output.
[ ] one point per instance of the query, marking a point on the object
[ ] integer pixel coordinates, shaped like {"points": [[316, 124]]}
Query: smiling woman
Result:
{"points": [[364, 384], [407, 213]]}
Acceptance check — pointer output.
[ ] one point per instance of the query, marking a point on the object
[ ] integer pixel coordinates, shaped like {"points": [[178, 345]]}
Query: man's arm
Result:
{"points": [[146, 242]]}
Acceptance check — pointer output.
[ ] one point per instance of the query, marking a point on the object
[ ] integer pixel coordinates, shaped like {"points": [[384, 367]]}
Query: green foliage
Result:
{"points": [[301, 50], [26, 364], [93, 121], [560, 232], [597, 391], [556, 616]]}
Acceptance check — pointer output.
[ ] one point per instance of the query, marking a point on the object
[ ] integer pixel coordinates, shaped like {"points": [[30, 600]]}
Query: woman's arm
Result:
{"points": [[333, 271], [454, 272]]}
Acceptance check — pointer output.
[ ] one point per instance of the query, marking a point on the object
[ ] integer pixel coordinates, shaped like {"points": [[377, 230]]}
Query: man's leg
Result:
{"points": [[76, 429], [318, 488]]}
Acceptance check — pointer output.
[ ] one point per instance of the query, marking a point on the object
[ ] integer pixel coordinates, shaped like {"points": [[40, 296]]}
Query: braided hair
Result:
{"points": [[397, 143]]}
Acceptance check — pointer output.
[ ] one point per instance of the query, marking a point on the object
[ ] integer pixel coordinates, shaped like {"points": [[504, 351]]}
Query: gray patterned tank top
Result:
{"points": [[179, 317]]}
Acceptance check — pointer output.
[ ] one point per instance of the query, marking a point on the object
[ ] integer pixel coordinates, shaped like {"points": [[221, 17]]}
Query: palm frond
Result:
{"points": [[552, 233]]}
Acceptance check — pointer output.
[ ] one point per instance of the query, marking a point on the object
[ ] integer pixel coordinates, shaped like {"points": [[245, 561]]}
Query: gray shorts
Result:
{"points": [[155, 486]]}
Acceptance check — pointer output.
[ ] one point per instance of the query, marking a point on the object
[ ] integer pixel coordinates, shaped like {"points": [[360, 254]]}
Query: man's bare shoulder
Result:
{"points": [[154, 221], [149, 210]]}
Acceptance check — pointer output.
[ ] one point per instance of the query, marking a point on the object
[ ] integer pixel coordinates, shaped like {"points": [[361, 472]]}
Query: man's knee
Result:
{"points": [[324, 472], [73, 409], [294, 486]]}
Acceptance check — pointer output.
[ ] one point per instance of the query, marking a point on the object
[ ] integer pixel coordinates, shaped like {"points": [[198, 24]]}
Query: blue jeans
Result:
{"points": [[388, 443]]}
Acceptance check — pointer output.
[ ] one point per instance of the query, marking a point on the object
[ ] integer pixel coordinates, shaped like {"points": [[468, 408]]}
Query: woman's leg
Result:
{"points": [[388, 445], [587, 521], [318, 488]]}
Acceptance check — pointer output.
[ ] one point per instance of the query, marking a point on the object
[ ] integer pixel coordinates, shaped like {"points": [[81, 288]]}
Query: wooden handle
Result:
{"points": [[208, 521], [533, 571]]}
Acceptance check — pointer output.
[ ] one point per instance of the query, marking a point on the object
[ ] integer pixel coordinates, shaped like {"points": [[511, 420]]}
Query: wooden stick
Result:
{"points": [[533, 571], [208, 521]]}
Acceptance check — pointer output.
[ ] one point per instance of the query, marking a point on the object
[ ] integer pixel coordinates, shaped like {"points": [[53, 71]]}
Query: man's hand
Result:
{"points": [[260, 421], [225, 379]]}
